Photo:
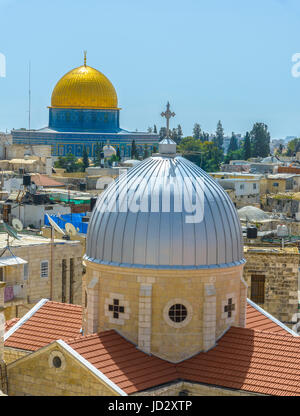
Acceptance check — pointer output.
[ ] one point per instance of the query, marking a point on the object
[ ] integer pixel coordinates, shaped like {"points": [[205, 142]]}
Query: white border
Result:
{"points": [[92, 368]]}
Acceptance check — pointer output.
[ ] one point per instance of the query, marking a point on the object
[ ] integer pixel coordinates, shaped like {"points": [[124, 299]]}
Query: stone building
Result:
{"points": [[33, 268], [164, 306], [272, 275]]}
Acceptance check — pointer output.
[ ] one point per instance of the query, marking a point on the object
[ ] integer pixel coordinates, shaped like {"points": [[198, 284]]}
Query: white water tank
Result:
{"points": [[282, 230]]}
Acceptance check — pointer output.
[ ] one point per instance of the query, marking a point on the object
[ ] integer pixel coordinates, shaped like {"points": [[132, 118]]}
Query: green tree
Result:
{"points": [[233, 144], [154, 149], [149, 130], [154, 129], [162, 133], [118, 153], [146, 152], [204, 137], [247, 147], [260, 140], [219, 136], [293, 147], [85, 159], [234, 155], [204, 154], [196, 131], [98, 151], [179, 133], [134, 151], [174, 135], [69, 163]]}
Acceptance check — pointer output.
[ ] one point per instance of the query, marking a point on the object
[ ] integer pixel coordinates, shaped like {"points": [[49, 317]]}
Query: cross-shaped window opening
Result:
{"points": [[116, 308], [229, 308]]}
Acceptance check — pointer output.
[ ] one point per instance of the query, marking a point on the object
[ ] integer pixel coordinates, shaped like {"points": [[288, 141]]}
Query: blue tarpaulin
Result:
{"points": [[75, 219]]}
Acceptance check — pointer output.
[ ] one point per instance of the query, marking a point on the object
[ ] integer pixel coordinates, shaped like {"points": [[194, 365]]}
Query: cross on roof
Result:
{"points": [[168, 114]]}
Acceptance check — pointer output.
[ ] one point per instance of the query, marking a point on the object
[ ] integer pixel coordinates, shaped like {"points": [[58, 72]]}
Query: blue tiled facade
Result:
{"points": [[65, 119], [71, 129]]}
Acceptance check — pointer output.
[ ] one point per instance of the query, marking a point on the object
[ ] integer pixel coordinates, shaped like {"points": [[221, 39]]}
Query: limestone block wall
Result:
{"points": [[281, 269], [13, 354], [37, 287], [36, 375], [133, 289]]}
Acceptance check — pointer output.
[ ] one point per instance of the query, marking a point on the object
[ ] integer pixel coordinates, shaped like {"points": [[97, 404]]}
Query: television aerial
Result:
{"points": [[70, 229], [17, 224]]}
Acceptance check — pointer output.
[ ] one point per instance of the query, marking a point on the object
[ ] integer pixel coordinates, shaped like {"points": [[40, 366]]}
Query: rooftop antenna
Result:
{"points": [[84, 59]]}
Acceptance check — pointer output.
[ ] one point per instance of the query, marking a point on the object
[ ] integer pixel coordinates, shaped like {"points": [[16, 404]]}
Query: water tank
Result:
{"points": [[92, 203], [282, 230], [251, 232], [26, 180]]}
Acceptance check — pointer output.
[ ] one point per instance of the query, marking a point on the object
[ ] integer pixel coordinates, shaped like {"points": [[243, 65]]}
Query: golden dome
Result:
{"points": [[84, 87]]}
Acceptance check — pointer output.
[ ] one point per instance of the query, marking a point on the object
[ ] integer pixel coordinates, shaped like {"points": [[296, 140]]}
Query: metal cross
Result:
{"points": [[168, 114], [229, 308]]}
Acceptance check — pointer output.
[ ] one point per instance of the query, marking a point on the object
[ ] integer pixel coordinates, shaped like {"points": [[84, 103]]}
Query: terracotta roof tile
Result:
{"points": [[244, 359], [53, 321], [256, 320], [9, 324]]}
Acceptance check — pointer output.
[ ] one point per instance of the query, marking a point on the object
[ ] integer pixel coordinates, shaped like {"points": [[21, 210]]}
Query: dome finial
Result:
{"points": [[84, 60]]}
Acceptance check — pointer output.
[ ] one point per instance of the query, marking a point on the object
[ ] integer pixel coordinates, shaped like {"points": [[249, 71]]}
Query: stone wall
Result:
{"points": [[35, 375], [281, 269], [13, 354], [37, 287], [145, 297]]}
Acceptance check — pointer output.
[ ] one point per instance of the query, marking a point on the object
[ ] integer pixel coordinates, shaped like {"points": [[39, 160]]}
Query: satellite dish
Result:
{"points": [[55, 226], [71, 230], [17, 224], [10, 231]]}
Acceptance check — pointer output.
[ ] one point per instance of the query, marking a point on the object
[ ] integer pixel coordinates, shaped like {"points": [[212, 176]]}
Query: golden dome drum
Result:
{"points": [[84, 87]]}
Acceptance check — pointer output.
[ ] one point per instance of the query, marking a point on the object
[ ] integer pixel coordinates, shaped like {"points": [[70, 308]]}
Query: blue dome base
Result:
{"points": [[89, 120]]}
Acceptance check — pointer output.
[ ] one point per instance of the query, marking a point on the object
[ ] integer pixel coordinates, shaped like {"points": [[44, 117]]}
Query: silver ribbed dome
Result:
{"points": [[164, 239]]}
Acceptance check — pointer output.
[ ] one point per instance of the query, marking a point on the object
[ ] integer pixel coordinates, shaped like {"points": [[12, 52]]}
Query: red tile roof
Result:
{"points": [[52, 321], [9, 324], [44, 180], [256, 320], [265, 362], [253, 361], [118, 359]]}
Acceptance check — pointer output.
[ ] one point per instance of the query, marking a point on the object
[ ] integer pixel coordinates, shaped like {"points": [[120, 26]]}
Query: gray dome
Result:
{"points": [[120, 237]]}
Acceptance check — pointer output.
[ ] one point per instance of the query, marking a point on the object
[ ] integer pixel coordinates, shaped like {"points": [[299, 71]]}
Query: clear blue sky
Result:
{"points": [[213, 59]]}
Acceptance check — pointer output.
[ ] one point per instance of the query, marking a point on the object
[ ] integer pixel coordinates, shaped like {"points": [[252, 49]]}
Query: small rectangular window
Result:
{"points": [[254, 186], [241, 186], [258, 288], [26, 271], [276, 184], [1, 274], [44, 268]]}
